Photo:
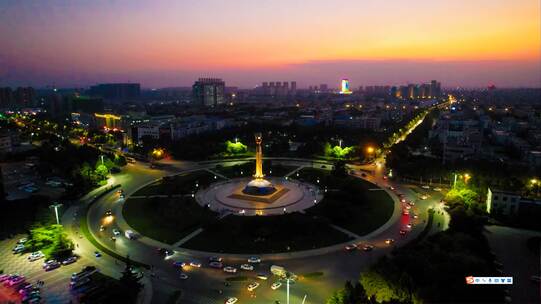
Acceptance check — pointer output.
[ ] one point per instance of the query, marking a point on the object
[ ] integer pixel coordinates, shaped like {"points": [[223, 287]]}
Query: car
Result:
{"points": [[119, 191], [31, 189], [254, 260], [122, 195], [70, 260], [246, 267], [436, 189], [15, 281], [109, 212], [253, 286], [26, 288], [22, 241], [129, 234], [262, 276], [116, 232], [52, 266], [215, 259], [230, 269], [351, 247], [102, 228], [425, 186], [4, 277], [195, 264], [276, 285], [216, 265], [408, 226], [231, 300], [368, 247], [411, 203], [34, 256], [392, 188], [405, 212], [97, 254], [183, 276], [402, 232], [389, 241], [47, 263], [408, 207], [423, 197], [113, 238], [180, 264], [18, 249], [415, 216]]}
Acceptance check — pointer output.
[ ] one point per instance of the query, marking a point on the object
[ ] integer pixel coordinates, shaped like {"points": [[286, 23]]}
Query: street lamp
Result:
{"points": [[55, 206]]}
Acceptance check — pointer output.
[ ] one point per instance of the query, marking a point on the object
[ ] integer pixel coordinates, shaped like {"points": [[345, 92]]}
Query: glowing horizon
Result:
{"points": [[59, 40]]}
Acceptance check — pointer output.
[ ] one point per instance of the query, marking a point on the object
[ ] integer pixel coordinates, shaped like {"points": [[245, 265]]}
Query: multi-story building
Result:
{"points": [[511, 204], [6, 97], [108, 121], [208, 92], [25, 97], [116, 91]]}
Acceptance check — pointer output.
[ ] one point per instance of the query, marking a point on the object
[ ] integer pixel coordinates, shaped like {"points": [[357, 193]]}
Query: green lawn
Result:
{"points": [[166, 219], [184, 183], [266, 234], [348, 202], [248, 169]]}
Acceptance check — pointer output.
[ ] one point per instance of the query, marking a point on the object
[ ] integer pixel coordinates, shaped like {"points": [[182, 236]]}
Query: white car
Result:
{"points": [[246, 267], [34, 256], [231, 301], [116, 232], [262, 276], [425, 187], [253, 286], [230, 269], [254, 260], [276, 285], [437, 189], [130, 235], [183, 276], [22, 241]]}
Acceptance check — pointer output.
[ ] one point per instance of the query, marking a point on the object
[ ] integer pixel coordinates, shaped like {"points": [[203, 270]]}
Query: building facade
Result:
{"points": [[209, 92]]}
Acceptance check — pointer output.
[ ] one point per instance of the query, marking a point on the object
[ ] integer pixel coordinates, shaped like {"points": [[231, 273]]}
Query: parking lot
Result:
{"points": [[22, 180], [56, 281]]}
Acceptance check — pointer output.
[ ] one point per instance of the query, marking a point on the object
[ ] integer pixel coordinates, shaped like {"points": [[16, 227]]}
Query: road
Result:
{"points": [[204, 283]]}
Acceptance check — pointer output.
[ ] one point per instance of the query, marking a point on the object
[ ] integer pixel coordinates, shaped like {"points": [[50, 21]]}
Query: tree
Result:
{"points": [[129, 283]]}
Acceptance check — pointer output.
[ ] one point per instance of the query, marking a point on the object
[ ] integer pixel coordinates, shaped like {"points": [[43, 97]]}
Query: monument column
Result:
{"points": [[258, 157]]}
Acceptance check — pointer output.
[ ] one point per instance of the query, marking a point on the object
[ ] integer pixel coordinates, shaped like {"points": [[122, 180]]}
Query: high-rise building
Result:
{"points": [[345, 87], [293, 90], [6, 97], [25, 96], [209, 92], [116, 91]]}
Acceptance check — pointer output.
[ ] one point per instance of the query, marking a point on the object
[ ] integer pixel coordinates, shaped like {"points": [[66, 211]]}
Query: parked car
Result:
{"points": [[183, 276], [34, 256], [262, 276], [253, 286], [246, 267], [70, 260], [15, 281], [22, 241], [276, 285], [97, 254], [231, 301], [116, 232], [53, 265], [19, 248]]}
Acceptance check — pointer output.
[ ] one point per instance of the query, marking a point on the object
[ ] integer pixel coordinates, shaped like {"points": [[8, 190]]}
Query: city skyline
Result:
{"points": [[369, 43]]}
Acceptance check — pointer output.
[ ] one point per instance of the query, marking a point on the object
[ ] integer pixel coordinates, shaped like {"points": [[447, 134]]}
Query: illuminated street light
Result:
{"points": [[467, 177], [55, 206]]}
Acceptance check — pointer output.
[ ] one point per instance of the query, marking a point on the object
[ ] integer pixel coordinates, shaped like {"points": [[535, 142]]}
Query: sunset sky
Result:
{"points": [[170, 43]]}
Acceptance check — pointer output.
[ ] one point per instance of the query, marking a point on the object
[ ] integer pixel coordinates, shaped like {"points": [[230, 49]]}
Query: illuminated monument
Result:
{"points": [[345, 87], [258, 195], [259, 185]]}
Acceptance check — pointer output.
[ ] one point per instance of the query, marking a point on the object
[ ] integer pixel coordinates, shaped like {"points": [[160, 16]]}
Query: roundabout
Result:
{"points": [[228, 196]]}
